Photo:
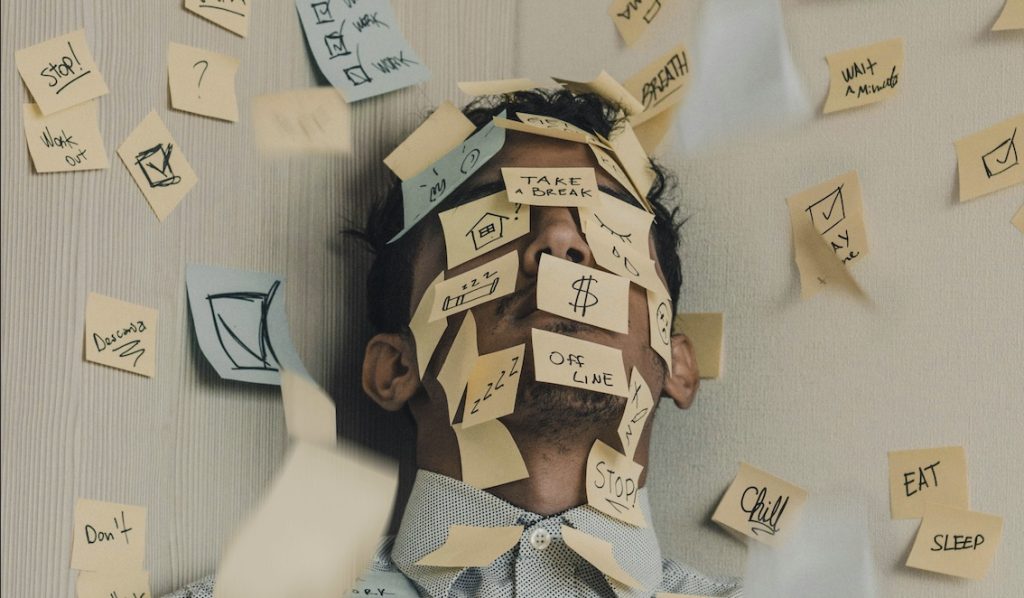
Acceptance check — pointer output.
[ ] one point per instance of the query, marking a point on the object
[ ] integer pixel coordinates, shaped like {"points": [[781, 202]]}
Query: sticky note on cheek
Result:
{"points": [[613, 484], [568, 361], [956, 541], [60, 72], [66, 140], [492, 280], [550, 186], [863, 76], [659, 313], [493, 382], [760, 506], [202, 82], [108, 536], [481, 226], [120, 335], [919, 476]]}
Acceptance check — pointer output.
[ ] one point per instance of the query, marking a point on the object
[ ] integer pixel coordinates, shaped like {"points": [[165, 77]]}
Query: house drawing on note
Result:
{"points": [[488, 229]]}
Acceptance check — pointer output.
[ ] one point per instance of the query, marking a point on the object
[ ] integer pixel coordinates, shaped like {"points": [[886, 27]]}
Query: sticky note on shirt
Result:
{"points": [[158, 165], [705, 331], [202, 82], [426, 333], [458, 364], [956, 541], [470, 546], [299, 121], [60, 72], [118, 583], [232, 15], [442, 131], [613, 484], [865, 75], [489, 455], [569, 361], [927, 475], [108, 536], [598, 553], [481, 226], [631, 17], [121, 335], [66, 140], [484, 283], [583, 294], [550, 186], [990, 160], [1012, 16], [309, 413], [639, 406], [492, 385], [760, 505]]}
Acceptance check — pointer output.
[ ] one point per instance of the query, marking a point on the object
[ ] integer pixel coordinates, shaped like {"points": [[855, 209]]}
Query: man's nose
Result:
{"points": [[555, 232]]}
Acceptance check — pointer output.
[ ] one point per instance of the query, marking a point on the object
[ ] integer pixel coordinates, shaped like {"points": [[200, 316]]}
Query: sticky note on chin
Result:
{"points": [[569, 361], [956, 541], [760, 506], [613, 484]]}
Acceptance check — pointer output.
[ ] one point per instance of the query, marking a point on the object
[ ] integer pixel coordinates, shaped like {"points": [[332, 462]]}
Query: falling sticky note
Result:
{"points": [[66, 140], [202, 82], [956, 541], [639, 407], [659, 320], [359, 47], [483, 225], [927, 475], [608, 88], [315, 530], [1018, 219], [496, 86], [426, 333], [309, 413], [315, 120], [989, 160], [484, 283], [1012, 16], [240, 323], [705, 332], [458, 364], [469, 546], [489, 455], [121, 335], [865, 75], [572, 186], [613, 484], [583, 294], [116, 583], [157, 165], [492, 385], [108, 536], [60, 72], [760, 506], [549, 126], [631, 17], [569, 361], [661, 84], [441, 132], [598, 553], [232, 15]]}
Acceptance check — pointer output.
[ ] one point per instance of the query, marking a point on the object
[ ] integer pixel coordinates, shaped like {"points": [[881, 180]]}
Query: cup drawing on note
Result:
{"points": [[155, 164], [1002, 158], [240, 321]]}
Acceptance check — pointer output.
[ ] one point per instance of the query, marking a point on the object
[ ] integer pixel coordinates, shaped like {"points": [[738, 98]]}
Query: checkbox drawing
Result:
{"points": [[357, 75], [322, 12], [652, 11], [335, 42], [1002, 158], [827, 212], [155, 164]]}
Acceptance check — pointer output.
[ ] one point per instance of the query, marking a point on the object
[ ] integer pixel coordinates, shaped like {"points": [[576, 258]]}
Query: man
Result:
{"points": [[554, 427]]}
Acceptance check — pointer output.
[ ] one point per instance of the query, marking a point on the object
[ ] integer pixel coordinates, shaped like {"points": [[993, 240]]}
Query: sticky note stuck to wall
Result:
{"points": [[120, 335], [202, 82], [158, 165], [60, 72], [956, 541], [108, 536], [232, 15], [632, 17], [865, 75], [927, 475], [1012, 16], [65, 141], [492, 385], [990, 160]]}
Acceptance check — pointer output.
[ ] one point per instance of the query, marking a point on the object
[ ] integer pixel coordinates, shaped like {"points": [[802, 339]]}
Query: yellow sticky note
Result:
{"points": [[491, 388], [609, 165], [608, 88], [956, 541], [631, 155], [659, 314], [705, 333], [864, 75], [66, 140], [426, 333], [598, 553], [614, 252], [573, 186], [652, 131], [489, 455], [661, 84], [470, 546], [113, 584], [631, 17], [60, 72], [496, 86], [1012, 16], [632, 225], [1018, 219], [315, 120], [494, 279], [121, 335], [232, 15], [760, 505], [583, 294], [158, 165], [443, 130], [919, 476], [639, 407], [990, 160], [108, 536], [458, 364], [309, 413], [549, 126], [482, 225], [613, 484], [569, 361], [202, 82]]}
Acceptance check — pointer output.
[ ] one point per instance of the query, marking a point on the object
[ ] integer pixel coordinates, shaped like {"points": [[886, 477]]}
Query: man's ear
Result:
{"points": [[683, 382], [390, 376]]}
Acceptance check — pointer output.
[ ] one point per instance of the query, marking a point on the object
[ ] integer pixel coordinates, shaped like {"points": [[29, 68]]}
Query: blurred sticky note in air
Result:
{"points": [[990, 160], [359, 47], [484, 283], [232, 15], [584, 294], [309, 413], [157, 165], [1012, 16], [108, 536], [240, 323], [483, 225], [598, 553], [426, 333], [956, 541], [470, 546], [202, 82], [639, 406], [569, 361], [571, 186], [659, 320], [314, 120], [632, 17], [121, 335], [760, 506], [705, 333], [613, 484], [442, 131], [458, 364], [316, 529], [492, 385], [496, 86], [927, 475], [60, 72], [115, 583], [865, 75], [608, 88], [66, 140], [489, 455]]}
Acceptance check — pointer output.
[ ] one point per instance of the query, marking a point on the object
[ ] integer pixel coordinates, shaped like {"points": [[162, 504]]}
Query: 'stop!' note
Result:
{"points": [[60, 72], [863, 76]]}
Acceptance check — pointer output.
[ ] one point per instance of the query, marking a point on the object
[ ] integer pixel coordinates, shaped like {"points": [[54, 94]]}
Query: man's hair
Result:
{"points": [[389, 282]]}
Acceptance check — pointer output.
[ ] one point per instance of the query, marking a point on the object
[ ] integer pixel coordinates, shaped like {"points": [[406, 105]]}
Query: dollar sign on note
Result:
{"points": [[584, 298]]}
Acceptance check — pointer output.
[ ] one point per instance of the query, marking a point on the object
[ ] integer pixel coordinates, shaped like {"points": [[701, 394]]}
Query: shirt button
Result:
{"points": [[540, 538]]}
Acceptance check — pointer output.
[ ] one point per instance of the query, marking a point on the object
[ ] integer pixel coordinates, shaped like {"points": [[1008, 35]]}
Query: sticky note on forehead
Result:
{"points": [[60, 72], [927, 475], [865, 75], [444, 129], [569, 361], [760, 506], [956, 541], [613, 484], [494, 279], [990, 160], [549, 126], [550, 186], [108, 536], [583, 294], [483, 225]]}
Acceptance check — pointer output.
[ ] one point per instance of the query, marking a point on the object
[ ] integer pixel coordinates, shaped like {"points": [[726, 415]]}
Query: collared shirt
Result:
{"points": [[539, 564]]}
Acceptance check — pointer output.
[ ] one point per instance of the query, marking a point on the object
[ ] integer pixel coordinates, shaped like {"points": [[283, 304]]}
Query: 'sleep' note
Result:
{"points": [[492, 385], [956, 541], [865, 75], [108, 536], [760, 505], [927, 475], [60, 72], [158, 165], [232, 15], [120, 335], [613, 484], [569, 361], [202, 82], [65, 141], [484, 283]]}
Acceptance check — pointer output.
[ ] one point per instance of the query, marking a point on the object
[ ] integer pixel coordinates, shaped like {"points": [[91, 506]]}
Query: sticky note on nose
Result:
{"points": [[583, 294], [927, 475], [568, 361]]}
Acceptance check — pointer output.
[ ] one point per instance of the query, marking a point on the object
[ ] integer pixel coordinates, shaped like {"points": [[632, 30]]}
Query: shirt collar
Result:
{"points": [[438, 502]]}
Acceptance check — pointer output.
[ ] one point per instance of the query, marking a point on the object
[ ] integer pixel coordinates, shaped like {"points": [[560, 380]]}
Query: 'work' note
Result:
{"points": [[927, 475], [492, 385], [956, 541], [613, 484], [990, 160], [121, 335], [865, 75], [569, 361], [202, 82], [108, 536], [157, 165], [583, 294], [232, 15], [760, 505], [66, 140], [60, 72]]}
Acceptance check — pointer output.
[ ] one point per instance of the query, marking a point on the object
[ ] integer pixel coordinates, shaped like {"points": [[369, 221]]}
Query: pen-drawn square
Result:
{"points": [[335, 42], [357, 75], [155, 165], [828, 211], [1002, 158], [322, 12], [652, 11]]}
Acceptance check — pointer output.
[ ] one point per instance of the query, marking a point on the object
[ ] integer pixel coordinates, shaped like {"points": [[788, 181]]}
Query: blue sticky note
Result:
{"points": [[359, 46]]}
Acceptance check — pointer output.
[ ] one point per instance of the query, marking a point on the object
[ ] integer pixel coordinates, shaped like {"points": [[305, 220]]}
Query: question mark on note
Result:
{"points": [[206, 65]]}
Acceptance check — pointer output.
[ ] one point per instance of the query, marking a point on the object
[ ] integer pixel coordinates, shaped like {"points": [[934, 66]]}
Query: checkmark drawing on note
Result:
{"points": [[823, 212], [161, 175], [1002, 158]]}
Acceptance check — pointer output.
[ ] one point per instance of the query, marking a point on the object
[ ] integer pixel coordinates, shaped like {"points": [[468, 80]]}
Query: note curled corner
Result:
{"points": [[471, 546], [489, 455]]}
